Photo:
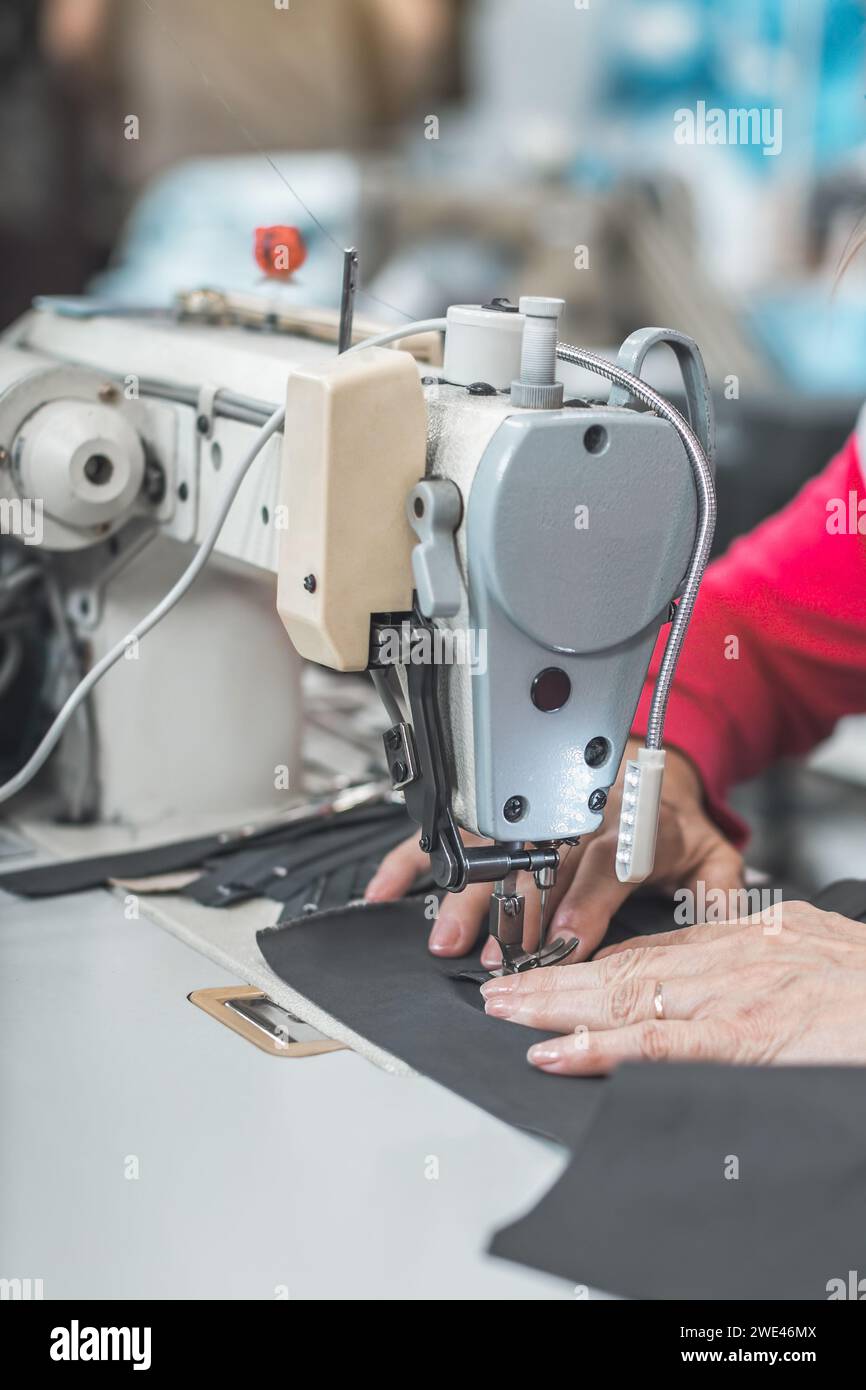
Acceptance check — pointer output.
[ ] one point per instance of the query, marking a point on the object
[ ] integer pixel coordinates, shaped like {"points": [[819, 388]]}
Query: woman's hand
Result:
{"points": [[785, 986], [588, 892]]}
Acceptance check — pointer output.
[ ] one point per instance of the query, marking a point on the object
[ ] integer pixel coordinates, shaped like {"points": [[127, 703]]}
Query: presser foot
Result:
{"points": [[506, 921], [516, 962], [506, 927]]}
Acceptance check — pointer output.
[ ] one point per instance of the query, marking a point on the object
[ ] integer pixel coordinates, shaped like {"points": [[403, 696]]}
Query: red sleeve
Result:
{"points": [[776, 649]]}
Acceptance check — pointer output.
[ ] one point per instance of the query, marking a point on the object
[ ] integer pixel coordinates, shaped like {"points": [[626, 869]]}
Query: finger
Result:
{"points": [[665, 962], [682, 936], [720, 871], [459, 920], [397, 872], [591, 899], [570, 859], [491, 956], [631, 1001], [594, 1054]]}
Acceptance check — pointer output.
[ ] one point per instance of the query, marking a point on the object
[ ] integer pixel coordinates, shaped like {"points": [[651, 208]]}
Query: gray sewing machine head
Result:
{"points": [[501, 555], [522, 551]]}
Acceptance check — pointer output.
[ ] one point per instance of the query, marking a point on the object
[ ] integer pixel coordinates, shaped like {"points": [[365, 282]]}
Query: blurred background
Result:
{"points": [[474, 148]]}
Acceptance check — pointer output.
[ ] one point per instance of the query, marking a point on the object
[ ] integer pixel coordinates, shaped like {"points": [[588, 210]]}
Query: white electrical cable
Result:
{"points": [[185, 582], [408, 330], [38, 759]]}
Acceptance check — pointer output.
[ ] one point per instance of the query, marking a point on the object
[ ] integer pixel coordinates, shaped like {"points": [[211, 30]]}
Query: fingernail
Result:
{"points": [[542, 1054], [500, 1006], [498, 986], [444, 937], [371, 892], [563, 926], [491, 956]]}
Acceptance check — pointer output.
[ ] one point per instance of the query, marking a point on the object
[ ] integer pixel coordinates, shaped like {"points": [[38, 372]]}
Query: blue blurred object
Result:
{"points": [[817, 341], [194, 227], [806, 58]]}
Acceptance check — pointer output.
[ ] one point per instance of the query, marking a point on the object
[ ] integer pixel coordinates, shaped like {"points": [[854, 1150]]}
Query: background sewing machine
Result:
{"points": [[541, 537]]}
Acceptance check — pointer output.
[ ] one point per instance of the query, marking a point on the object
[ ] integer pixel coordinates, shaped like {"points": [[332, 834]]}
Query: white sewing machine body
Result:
{"points": [[442, 503], [207, 709]]}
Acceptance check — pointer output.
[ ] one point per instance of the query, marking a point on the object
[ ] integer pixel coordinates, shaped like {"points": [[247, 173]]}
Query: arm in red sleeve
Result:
{"points": [[776, 649]]}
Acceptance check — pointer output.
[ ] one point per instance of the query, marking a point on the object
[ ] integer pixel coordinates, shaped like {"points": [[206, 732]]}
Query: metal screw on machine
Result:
{"points": [[401, 755], [514, 808], [310, 583], [537, 388], [596, 752], [597, 800]]}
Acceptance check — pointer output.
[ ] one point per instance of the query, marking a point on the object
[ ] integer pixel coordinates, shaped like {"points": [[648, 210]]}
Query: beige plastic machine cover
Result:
{"points": [[355, 445]]}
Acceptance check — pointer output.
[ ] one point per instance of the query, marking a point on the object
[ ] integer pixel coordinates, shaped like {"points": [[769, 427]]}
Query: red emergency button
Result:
{"points": [[280, 251]]}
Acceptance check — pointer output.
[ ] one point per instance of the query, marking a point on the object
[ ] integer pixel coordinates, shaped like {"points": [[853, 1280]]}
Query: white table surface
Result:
{"points": [[259, 1177]]}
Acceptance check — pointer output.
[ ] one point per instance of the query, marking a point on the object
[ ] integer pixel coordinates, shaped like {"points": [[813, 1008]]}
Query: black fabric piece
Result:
{"points": [[475, 977], [276, 871], [646, 1209], [331, 891], [847, 897], [369, 966], [77, 875], [328, 891]]}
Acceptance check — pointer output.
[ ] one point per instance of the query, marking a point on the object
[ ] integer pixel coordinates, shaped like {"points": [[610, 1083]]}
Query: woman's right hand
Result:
{"points": [[690, 849]]}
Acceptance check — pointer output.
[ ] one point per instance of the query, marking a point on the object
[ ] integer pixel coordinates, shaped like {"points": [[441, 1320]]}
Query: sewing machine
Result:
{"points": [[497, 551]]}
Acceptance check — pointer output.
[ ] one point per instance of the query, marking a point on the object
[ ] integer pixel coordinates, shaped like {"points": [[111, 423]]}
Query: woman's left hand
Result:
{"points": [[786, 986]]}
